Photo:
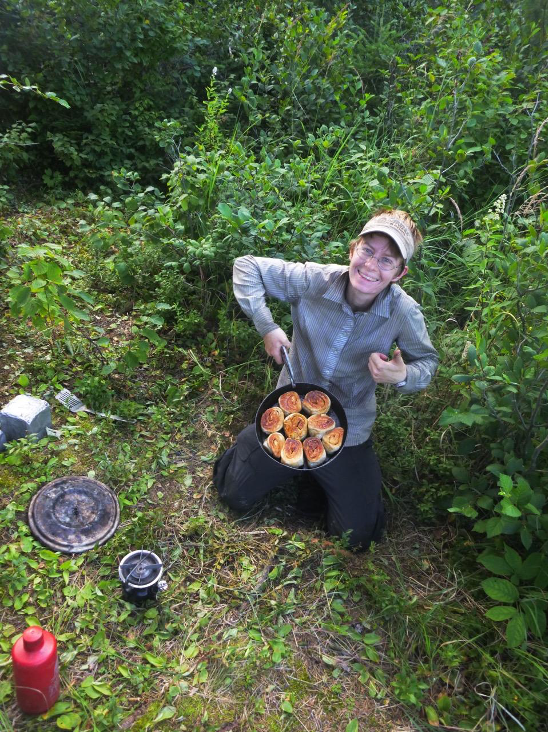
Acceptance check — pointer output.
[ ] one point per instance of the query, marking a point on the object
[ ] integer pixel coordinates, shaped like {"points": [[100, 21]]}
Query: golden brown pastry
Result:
{"points": [[319, 424], [295, 425], [333, 440], [314, 452], [272, 420], [290, 402], [292, 453], [274, 443], [316, 402]]}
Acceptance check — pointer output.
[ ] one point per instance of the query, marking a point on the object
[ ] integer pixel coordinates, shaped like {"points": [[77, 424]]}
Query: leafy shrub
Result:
{"points": [[502, 417], [44, 287]]}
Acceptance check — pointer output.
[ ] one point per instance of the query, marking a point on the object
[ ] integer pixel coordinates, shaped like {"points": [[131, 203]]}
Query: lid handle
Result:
{"points": [[288, 366]]}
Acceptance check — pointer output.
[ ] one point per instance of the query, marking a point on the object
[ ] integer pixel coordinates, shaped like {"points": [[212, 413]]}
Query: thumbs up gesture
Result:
{"points": [[385, 370]]}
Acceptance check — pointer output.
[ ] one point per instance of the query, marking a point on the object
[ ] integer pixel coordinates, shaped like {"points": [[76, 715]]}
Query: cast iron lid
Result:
{"points": [[74, 514]]}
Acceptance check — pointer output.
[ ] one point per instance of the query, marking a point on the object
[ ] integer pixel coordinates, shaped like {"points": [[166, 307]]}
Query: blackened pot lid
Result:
{"points": [[74, 514]]}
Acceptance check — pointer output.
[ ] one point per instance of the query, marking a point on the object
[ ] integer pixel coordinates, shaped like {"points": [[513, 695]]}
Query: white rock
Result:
{"points": [[25, 415]]}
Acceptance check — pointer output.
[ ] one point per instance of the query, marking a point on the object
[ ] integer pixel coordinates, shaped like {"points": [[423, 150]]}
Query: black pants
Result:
{"points": [[352, 484]]}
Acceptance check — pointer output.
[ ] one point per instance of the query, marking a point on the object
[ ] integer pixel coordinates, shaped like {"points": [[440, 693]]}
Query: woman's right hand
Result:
{"points": [[273, 343]]}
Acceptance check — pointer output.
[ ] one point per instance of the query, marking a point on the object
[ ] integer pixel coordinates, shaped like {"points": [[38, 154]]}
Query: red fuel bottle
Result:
{"points": [[36, 670]]}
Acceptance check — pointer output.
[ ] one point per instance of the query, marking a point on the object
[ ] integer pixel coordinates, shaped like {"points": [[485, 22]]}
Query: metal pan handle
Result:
{"points": [[285, 358]]}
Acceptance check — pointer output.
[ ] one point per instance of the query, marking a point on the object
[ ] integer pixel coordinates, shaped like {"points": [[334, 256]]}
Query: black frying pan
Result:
{"points": [[301, 387]]}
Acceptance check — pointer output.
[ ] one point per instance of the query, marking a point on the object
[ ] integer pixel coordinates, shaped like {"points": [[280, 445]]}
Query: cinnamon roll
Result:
{"points": [[333, 440], [290, 402], [319, 424], [316, 402], [272, 420], [295, 425], [314, 452], [274, 444], [292, 453]]}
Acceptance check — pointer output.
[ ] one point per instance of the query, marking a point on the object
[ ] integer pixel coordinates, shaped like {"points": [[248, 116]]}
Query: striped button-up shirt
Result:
{"points": [[331, 343]]}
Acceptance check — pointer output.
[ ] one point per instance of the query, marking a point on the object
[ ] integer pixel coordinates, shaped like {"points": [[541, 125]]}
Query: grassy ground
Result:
{"points": [[267, 623]]}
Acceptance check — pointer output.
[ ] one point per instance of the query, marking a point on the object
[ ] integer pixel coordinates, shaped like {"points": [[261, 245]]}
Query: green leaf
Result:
{"points": [[20, 294], [526, 537], [432, 716], [153, 337], [37, 285], [102, 688], [500, 589], [23, 380], [124, 273], [531, 566], [516, 632], [54, 273], [501, 612], [495, 564], [535, 616], [131, 359], [287, 707], [505, 482], [508, 509], [461, 474], [69, 721], [370, 638], [166, 712], [69, 305], [157, 661], [57, 708], [352, 726], [494, 526], [5, 691], [513, 558], [83, 296], [225, 211], [444, 703]]}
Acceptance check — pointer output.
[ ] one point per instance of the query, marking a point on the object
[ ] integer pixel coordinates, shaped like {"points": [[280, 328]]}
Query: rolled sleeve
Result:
{"points": [[255, 278]]}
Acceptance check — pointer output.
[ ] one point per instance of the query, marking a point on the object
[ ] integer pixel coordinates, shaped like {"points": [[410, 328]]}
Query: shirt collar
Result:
{"points": [[380, 306]]}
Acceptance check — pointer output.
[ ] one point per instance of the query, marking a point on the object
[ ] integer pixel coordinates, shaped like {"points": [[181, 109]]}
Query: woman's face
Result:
{"points": [[366, 278]]}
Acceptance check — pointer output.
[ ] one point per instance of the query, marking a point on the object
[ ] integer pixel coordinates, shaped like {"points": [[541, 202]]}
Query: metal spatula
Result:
{"points": [[75, 404]]}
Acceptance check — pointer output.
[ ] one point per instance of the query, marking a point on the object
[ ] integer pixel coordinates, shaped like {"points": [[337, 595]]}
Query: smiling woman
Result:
{"points": [[346, 321]]}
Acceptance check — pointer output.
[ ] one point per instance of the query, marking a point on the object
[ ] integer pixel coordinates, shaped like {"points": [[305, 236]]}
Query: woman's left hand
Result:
{"points": [[385, 371]]}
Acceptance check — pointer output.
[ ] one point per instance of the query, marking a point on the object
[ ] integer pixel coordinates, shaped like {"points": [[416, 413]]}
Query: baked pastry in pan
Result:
{"points": [[274, 444], [290, 402], [272, 420], [314, 451], [316, 402], [319, 424], [292, 453], [295, 425], [333, 440]]}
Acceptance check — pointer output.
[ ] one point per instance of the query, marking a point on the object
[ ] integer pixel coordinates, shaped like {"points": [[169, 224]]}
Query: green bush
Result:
{"points": [[501, 420]]}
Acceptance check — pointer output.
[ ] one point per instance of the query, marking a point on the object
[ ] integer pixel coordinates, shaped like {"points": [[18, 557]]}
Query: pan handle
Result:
{"points": [[285, 358]]}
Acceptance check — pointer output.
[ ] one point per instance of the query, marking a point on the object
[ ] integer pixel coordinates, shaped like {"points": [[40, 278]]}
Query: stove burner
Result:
{"points": [[140, 573]]}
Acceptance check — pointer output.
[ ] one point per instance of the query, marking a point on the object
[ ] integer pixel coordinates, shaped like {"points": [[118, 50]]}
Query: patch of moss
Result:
{"points": [[193, 708], [142, 724], [9, 482]]}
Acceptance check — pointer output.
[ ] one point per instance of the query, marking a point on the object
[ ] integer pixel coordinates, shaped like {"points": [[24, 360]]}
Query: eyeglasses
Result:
{"points": [[384, 263]]}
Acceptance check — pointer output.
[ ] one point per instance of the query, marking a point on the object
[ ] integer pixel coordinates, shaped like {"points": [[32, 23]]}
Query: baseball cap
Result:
{"points": [[396, 229]]}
